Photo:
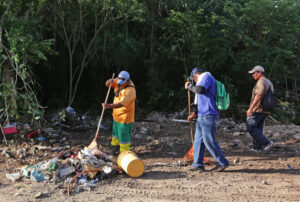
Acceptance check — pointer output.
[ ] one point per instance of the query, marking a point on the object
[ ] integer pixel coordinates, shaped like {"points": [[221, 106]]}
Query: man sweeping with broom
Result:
{"points": [[123, 111], [206, 126]]}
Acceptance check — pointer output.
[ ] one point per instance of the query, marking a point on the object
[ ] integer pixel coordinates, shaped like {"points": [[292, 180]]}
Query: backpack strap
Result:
{"points": [[119, 89], [269, 84], [215, 97]]}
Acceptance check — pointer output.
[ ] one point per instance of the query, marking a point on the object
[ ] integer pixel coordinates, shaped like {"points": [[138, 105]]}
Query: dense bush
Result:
{"points": [[158, 42]]}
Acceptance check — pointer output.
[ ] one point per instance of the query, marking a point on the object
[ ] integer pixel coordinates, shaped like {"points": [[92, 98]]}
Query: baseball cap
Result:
{"points": [[194, 71], [257, 68], [123, 77]]}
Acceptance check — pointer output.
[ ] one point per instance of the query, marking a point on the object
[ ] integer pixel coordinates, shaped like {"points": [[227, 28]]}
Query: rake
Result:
{"points": [[94, 142]]}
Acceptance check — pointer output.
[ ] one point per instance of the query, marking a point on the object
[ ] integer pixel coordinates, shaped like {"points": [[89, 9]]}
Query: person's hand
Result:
{"points": [[109, 82], [106, 106], [191, 117], [186, 85], [249, 112]]}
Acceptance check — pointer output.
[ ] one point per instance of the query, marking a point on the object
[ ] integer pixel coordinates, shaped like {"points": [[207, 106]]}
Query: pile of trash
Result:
{"points": [[70, 119], [67, 118], [85, 168]]}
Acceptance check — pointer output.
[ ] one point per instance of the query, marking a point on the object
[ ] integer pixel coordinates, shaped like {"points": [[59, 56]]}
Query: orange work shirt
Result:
{"points": [[126, 97]]}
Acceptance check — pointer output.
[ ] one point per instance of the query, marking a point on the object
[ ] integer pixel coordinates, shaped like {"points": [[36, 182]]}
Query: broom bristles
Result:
{"points": [[190, 156], [93, 145]]}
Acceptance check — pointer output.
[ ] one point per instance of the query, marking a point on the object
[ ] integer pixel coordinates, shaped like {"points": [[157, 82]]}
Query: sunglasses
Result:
{"points": [[120, 78]]}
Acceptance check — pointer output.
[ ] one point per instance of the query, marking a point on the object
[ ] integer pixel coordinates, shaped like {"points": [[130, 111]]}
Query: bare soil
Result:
{"points": [[270, 176]]}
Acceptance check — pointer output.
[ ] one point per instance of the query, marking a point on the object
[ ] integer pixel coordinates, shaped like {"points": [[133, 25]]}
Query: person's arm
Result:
{"points": [[112, 81], [129, 95], [195, 89], [194, 108], [192, 116], [111, 106], [256, 100]]}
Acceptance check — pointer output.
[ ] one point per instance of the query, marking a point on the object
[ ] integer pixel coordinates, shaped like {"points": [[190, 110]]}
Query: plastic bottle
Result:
{"points": [[250, 120]]}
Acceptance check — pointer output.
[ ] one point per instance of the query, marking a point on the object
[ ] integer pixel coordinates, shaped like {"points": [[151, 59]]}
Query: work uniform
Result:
{"points": [[123, 117]]}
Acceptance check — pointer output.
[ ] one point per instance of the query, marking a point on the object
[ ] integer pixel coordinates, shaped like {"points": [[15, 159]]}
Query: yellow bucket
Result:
{"points": [[131, 164]]}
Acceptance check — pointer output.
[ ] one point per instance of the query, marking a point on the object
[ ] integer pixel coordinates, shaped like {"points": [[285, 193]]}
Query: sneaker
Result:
{"points": [[256, 150], [219, 168], [192, 168], [268, 146]]}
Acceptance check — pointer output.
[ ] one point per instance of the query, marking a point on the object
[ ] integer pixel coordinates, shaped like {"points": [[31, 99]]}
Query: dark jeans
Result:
{"points": [[255, 124]]}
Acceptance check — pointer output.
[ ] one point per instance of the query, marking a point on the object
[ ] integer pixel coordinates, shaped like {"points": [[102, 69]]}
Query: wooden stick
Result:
{"points": [[101, 117], [3, 134], [189, 105], [7, 116]]}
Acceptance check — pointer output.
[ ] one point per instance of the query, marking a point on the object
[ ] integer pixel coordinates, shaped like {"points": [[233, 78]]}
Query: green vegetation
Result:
{"points": [[56, 53]]}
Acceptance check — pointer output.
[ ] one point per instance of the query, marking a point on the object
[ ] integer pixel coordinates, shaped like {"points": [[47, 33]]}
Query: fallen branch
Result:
{"points": [[273, 119], [3, 134]]}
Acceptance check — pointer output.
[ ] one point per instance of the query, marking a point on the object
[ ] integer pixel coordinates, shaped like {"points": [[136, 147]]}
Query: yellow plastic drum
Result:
{"points": [[131, 164]]}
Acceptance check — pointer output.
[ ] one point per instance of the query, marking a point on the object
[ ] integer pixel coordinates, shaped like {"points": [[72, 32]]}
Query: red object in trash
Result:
{"points": [[10, 130], [29, 136], [32, 133]]}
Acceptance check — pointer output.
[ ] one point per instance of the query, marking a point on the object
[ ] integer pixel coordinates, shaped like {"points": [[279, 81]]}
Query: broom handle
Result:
{"points": [[189, 103], [99, 123]]}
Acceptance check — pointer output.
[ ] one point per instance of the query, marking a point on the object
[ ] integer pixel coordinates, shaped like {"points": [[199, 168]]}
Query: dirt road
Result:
{"points": [[271, 176]]}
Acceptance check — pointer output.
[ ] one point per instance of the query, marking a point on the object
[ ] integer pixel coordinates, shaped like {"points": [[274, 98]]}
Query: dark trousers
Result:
{"points": [[255, 124]]}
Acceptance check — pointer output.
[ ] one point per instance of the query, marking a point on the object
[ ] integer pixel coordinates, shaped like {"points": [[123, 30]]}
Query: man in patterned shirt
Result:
{"points": [[255, 114]]}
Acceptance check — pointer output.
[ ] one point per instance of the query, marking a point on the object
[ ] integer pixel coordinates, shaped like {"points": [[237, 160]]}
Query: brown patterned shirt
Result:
{"points": [[261, 87]]}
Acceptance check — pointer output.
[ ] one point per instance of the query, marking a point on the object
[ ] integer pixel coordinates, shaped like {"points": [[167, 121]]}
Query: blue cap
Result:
{"points": [[194, 71], [123, 77]]}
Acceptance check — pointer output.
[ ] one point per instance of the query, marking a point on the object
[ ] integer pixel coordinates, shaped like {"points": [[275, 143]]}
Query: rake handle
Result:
{"points": [[102, 113], [189, 105]]}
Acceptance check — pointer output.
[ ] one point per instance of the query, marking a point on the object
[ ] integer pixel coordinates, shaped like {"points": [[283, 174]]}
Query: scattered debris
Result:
{"points": [[237, 161], [265, 183], [70, 119], [38, 195], [160, 164], [10, 129], [288, 167], [54, 158], [13, 176]]}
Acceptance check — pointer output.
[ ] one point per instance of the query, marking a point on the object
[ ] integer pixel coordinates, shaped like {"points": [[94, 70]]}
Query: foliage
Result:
{"points": [[22, 45], [158, 42], [228, 38], [82, 26]]}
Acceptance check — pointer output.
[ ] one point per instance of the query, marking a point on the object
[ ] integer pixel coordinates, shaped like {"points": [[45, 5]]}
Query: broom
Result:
{"points": [[94, 142], [189, 157]]}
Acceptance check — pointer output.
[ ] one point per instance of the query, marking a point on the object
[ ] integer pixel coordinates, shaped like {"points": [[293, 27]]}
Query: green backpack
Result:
{"points": [[222, 98]]}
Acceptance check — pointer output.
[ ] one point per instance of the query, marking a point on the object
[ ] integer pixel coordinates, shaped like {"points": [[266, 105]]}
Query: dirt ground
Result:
{"points": [[271, 176]]}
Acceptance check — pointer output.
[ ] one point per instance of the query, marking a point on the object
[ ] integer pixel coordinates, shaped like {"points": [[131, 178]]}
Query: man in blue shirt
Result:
{"points": [[208, 115]]}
